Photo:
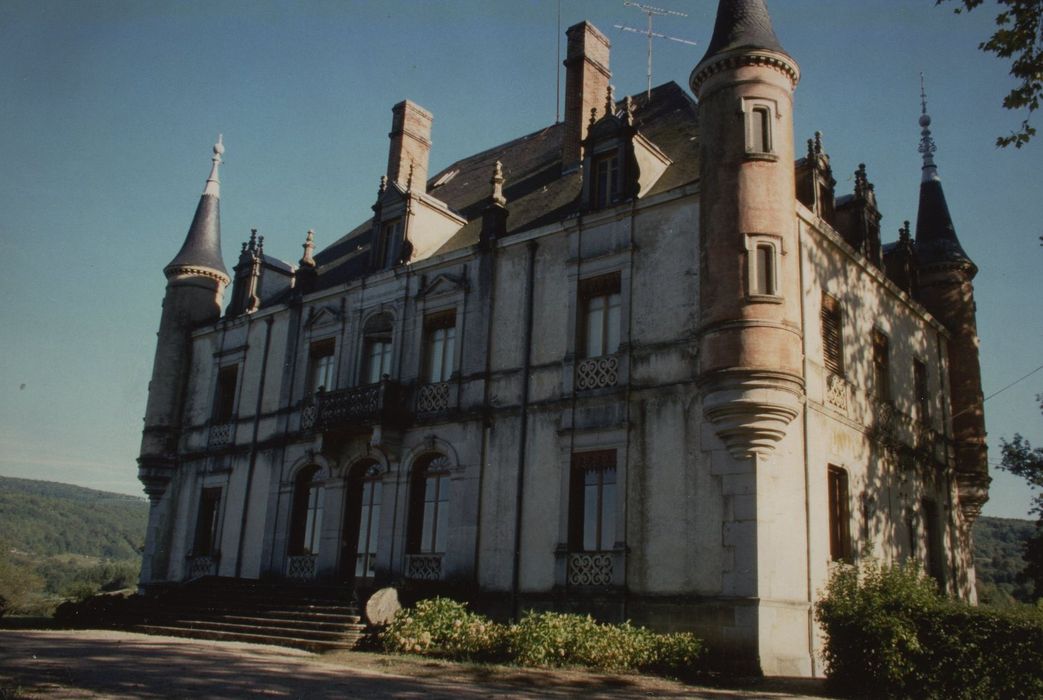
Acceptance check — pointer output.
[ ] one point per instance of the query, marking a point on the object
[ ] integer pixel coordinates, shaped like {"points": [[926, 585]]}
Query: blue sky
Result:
{"points": [[109, 110]]}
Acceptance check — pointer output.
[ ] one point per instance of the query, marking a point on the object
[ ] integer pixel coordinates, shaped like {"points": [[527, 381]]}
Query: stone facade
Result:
{"points": [[654, 370]]}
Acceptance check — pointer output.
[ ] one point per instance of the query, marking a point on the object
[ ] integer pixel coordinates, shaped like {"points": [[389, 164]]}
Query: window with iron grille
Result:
{"points": [[306, 522], [439, 346], [600, 304], [224, 396], [429, 506]]}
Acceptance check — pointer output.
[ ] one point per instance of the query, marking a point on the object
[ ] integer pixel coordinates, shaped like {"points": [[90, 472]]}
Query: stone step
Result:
{"points": [[273, 608], [289, 622], [274, 631], [317, 646]]}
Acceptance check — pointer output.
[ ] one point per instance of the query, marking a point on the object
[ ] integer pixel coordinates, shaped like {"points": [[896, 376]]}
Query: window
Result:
{"points": [[376, 361], [390, 233], [762, 265], [321, 358], [881, 366], [224, 397], [758, 130], [206, 523], [839, 516], [592, 502], [439, 346], [429, 506], [306, 525], [935, 562], [362, 522], [832, 336], [600, 309], [923, 400], [604, 187]]}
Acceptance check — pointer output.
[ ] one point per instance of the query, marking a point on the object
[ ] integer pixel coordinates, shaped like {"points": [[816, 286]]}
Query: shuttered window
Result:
{"points": [[832, 336]]}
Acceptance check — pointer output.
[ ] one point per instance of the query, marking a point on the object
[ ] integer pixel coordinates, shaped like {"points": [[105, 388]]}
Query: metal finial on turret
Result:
{"points": [[927, 145], [213, 183], [610, 101], [593, 115], [497, 183], [309, 245], [383, 185], [905, 233]]}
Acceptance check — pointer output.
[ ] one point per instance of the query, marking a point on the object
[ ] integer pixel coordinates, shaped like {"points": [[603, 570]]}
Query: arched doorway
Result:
{"points": [[362, 496]]}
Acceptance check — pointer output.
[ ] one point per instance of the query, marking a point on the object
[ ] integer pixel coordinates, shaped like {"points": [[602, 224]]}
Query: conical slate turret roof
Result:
{"points": [[742, 24], [936, 241], [202, 246]]}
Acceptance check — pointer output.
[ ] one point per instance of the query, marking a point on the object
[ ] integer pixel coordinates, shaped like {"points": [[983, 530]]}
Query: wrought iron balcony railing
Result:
{"points": [[363, 405]]}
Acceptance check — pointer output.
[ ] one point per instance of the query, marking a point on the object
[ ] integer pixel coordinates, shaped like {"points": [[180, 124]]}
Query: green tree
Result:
{"points": [[1020, 459], [1019, 37]]}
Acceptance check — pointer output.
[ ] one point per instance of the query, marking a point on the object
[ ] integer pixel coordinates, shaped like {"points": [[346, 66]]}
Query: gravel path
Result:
{"points": [[107, 664]]}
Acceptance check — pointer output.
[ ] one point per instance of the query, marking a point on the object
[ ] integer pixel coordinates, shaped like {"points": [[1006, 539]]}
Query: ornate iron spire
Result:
{"points": [[927, 145]]}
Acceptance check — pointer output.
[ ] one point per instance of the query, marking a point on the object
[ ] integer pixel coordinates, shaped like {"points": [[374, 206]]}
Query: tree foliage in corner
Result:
{"points": [[1018, 36], [1020, 459]]}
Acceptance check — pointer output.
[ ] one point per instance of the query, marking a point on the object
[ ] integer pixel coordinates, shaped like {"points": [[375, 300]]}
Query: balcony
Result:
{"points": [[365, 405]]}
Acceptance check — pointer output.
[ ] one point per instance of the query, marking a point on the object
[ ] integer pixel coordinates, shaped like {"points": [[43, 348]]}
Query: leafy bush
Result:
{"points": [[442, 627], [890, 634]]}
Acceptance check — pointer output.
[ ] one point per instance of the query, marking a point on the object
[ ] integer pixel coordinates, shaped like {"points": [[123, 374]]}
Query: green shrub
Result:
{"points": [[890, 634], [443, 627]]}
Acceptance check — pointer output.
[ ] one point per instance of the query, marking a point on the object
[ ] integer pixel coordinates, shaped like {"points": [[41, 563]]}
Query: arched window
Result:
{"points": [[362, 520], [306, 524], [376, 349], [429, 506]]}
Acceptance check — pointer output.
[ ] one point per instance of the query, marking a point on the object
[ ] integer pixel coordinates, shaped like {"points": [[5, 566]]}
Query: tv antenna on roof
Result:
{"points": [[651, 12]]}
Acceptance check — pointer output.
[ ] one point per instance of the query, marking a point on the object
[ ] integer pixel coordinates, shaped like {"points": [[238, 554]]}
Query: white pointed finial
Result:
{"points": [[927, 145], [213, 183], [309, 246], [497, 183]]}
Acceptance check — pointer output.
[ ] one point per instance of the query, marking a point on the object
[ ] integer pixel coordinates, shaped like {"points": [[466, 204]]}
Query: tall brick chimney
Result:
{"points": [[410, 144], [586, 84]]}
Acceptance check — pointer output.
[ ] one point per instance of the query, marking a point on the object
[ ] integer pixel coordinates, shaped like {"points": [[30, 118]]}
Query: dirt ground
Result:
{"points": [[107, 664]]}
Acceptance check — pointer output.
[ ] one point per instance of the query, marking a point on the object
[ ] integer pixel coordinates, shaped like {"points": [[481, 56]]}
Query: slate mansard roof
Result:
{"points": [[537, 191]]}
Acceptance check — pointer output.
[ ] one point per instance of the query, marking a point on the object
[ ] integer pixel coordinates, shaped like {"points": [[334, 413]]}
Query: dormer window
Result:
{"points": [[605, 185]]}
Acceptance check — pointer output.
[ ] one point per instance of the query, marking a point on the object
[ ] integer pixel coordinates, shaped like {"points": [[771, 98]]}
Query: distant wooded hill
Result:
{"points": [[45, 518], [998, 544]]}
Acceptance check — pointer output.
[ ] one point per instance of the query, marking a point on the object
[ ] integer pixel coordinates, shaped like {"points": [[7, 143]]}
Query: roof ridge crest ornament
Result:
{"points": [[213, 183]]}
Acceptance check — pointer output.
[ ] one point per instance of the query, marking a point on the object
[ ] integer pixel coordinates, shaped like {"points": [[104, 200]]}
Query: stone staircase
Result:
{"points": [[310, 617]]}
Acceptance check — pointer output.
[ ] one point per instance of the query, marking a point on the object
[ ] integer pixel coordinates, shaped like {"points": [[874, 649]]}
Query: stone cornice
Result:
{"points": [[738, 59]]}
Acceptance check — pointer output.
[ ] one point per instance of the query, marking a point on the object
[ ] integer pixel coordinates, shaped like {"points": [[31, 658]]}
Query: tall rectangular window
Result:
{"points": [[224, 396], [604, 189], [832, 335], [839, 515], [758, 130], [439, 346], [390, 233], [923, 400], [600, 303], [376, 349], [321, 358], [935, 563], [206, 523], [881, 366], [592, 502]]}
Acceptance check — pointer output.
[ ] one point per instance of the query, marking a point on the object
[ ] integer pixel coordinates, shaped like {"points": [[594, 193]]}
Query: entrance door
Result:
{"points": [[361, 522]]}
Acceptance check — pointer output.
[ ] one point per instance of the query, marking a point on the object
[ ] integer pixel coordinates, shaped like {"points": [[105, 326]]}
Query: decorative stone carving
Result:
{"points": [[424, 567], [432, 398], [382, 606], [302, 567], [751, 410], [597, 372], [590, 569], [836, 392]]}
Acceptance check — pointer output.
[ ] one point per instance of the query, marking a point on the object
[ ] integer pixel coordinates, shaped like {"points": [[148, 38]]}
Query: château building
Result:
{"points": [[645, 363]]}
